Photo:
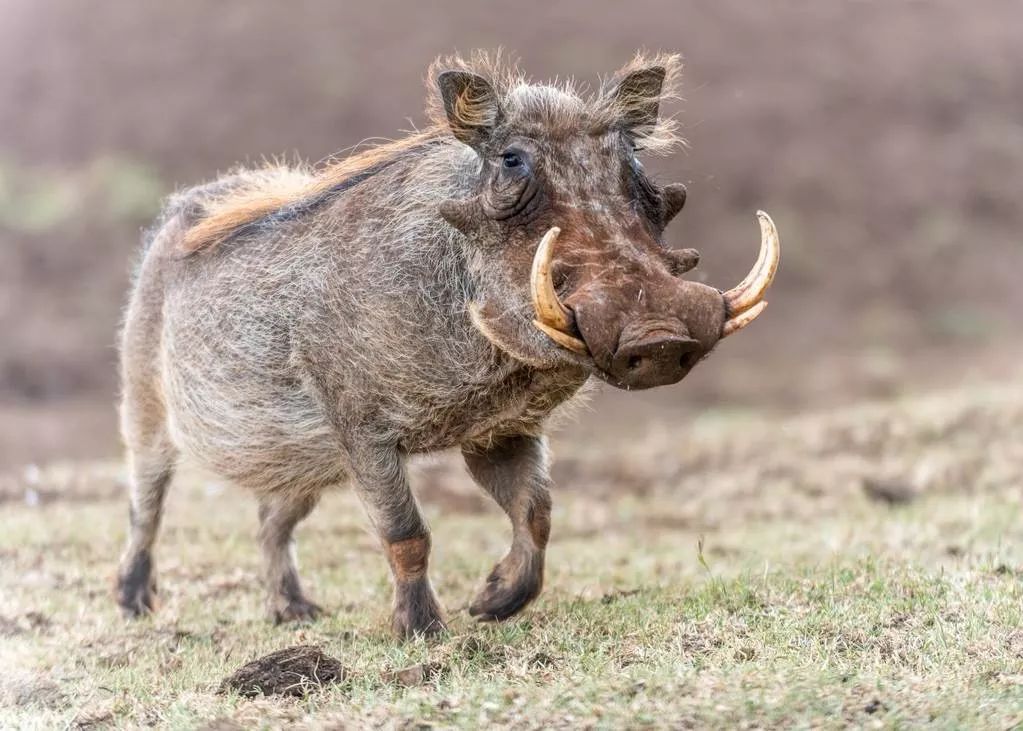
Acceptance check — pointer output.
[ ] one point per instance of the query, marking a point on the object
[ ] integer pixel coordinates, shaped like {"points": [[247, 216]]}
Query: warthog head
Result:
{"points": [[564, 210]]}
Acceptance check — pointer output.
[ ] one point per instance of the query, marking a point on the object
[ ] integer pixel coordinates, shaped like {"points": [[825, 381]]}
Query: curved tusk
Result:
{"points": [[750, 291], [562, 338], [738, 322], [546, 304]]}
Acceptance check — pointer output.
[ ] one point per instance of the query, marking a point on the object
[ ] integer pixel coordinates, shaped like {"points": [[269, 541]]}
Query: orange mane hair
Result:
{"points": [[268, 194]]}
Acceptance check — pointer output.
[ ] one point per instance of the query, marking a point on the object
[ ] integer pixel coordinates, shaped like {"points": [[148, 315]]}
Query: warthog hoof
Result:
{"points": [[417, 612], [136, 602], [136, 587], [294, 610], [512, 585]]}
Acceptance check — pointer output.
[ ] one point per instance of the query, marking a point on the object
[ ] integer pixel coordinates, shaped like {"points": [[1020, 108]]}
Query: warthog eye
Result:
{"points": [[511, 160], [512, 185]]}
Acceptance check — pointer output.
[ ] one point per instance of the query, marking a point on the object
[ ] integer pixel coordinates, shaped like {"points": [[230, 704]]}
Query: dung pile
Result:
{"points": [[294, 671]]}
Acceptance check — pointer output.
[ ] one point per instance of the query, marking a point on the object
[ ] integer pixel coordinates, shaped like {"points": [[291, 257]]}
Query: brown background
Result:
{"points": [[886, 139]]}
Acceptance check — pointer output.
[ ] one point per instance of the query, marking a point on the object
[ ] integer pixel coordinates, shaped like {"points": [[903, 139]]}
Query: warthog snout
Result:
{"points": [[641, 326], [654, 359]]}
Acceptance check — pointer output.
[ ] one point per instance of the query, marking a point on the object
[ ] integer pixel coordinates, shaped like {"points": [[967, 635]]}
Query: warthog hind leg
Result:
{"points": [[514, 472], [279, 513], [151, 469]]}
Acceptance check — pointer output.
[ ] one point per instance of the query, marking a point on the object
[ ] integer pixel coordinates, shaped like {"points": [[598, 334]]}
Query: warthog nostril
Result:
{"points": [[653, 360]]}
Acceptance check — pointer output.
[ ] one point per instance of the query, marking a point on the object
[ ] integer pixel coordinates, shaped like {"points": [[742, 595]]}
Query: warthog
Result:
{"points": [[294, 329]]}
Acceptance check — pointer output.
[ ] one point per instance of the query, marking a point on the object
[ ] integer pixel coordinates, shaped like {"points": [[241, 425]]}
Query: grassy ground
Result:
{"points": [[857, 568]]}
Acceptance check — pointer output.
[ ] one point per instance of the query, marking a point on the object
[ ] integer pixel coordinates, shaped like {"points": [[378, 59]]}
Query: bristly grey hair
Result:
{"points": [[297, 328], [560, 108]]}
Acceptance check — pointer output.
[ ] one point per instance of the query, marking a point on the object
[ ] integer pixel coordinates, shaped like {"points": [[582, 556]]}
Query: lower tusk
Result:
{"points": [[738, 322], [561, 338]]}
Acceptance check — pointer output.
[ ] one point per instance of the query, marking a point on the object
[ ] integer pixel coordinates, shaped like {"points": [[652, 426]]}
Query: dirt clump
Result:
{"points": [[38, 691], [294, 671], [26, 623]]}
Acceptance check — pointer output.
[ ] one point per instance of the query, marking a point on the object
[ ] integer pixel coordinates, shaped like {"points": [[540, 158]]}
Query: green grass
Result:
{"points": [[114, 189], [708, 600]]}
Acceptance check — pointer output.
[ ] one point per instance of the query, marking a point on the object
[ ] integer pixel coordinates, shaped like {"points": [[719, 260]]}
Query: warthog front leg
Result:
{"points": [[514, 472], [384, 490], [279, 513]]}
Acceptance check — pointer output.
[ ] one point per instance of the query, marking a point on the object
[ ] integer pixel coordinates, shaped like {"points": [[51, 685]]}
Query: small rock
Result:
{"points": [[614, 596], [413, 675], [745, 654], [542, 660], [874, 706], [92, 718], [889, 492]]}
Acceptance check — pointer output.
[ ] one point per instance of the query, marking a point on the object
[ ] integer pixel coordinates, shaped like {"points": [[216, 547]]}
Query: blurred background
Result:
{"points": [[885, 138]]}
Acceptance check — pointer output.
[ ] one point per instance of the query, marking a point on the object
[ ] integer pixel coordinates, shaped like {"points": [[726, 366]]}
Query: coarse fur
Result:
{"points": [[557, 110], [294, 329]]}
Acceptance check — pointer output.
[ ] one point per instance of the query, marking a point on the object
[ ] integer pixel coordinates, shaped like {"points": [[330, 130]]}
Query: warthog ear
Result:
{"points": [[638, 96], [471, 105], [631, 102]]}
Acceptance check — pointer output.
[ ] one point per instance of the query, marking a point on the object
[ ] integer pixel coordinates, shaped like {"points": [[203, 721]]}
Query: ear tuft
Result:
{"points": [[471, 105], [638, 97], [631, 101]]}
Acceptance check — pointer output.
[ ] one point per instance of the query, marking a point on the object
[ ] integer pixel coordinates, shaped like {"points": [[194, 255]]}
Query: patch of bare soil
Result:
{"points": [[63, 482], [26, 623], [294, 671], [890, 453], [33, 691]]}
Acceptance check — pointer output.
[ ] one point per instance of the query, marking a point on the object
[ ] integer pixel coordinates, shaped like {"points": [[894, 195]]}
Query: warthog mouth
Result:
{"points": [[743, 303]]}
